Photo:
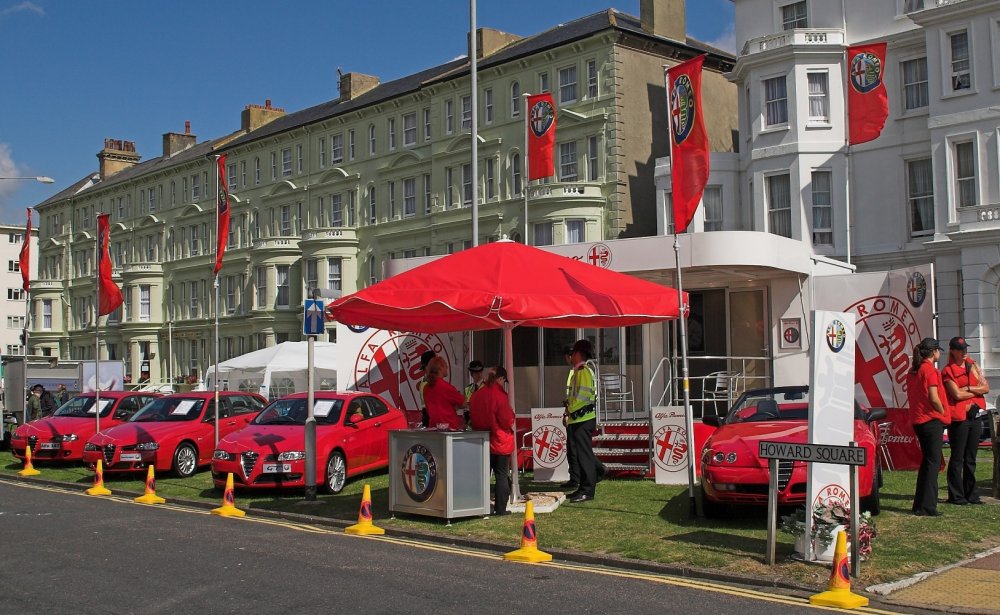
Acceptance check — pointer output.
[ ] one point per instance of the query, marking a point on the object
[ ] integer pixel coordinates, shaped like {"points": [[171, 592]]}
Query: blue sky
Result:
{"points": [[77, 72]]}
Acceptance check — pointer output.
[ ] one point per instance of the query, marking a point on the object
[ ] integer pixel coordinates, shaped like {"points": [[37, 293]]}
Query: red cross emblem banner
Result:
{"points": [[541, 120], [549, 441], [222, 226], [109, 293], [689, 156], [867, 100]]}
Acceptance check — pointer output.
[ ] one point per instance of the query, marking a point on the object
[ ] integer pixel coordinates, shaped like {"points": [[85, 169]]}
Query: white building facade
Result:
{"points": [[926, 191], [13, 314]]}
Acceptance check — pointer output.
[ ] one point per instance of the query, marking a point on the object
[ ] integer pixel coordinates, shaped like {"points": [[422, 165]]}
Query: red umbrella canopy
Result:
{"points": [[506, 284]]}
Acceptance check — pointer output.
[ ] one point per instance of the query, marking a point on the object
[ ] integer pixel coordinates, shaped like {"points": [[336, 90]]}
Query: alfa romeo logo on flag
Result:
{"points": [[866, 72], [916, 289], [836, 335], [682, 108], [542, 116], [419, 473]]}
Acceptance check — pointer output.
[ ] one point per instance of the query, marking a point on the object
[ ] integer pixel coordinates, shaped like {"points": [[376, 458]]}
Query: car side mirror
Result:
{"points": [[876, 414], [712, 420], [354, 419]]}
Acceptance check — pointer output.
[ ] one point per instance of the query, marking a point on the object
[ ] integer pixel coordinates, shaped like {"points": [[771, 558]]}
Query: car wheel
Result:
{"points": [[336, 473], [711, 510], [873, 503], [185, 460]]}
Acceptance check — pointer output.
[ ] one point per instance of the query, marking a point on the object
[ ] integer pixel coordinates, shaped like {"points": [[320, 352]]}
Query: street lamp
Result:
{"points": [[43, 179]]}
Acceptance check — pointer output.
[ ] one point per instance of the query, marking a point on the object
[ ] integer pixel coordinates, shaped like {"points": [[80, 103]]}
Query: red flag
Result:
{"points": [[222, 218], [867, 101], [541, 118], [109, 294], [688, 140], [24, 260]]}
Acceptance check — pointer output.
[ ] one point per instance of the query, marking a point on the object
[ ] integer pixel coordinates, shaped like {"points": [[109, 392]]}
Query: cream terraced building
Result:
{"points": [[325, 196]]}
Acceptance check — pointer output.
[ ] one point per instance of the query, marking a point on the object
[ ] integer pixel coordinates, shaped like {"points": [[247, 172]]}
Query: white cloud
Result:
{"points": [[21, 7], [726, 40], [8, 168]]}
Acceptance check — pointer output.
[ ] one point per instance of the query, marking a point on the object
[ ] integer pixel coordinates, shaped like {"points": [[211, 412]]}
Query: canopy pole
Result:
{"points": [[688, 415], [508, 359]]}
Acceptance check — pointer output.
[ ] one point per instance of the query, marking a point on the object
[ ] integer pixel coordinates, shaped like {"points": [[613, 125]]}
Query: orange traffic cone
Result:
{"points": [[228, 508], [150, 496], [364, 526], [838, 593], [29, 470], [98, 488], [529, 542]]}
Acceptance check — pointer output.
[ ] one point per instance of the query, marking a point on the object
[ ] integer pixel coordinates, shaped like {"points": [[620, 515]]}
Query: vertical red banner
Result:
{"points": [[110, 295], [689, 156], [541, 118], [24, 259], [867, 100], [222, 224]]}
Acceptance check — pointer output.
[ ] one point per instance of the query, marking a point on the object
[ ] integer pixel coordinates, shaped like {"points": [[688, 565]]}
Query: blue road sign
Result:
{"points": [[314, 318]]}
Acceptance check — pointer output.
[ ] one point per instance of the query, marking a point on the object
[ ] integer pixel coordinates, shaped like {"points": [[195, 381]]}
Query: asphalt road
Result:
{"points": [[66, 553]]}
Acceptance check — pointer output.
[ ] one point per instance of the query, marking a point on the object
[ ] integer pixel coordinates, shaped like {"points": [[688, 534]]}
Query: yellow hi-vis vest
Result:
{"points": [[581, 392]]}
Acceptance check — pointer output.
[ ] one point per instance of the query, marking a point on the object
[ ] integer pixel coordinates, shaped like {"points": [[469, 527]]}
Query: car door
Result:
{"points": [[378, 434], [358, 442], [242, 409]]}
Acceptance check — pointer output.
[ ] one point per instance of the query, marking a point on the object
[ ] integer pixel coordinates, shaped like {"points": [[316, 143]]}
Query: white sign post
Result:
{"points": [[548, 445], [831, 409], [669, 445]]}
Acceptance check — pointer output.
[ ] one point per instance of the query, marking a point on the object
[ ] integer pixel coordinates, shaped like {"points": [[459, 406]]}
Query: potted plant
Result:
{"points": [[828, 519]]}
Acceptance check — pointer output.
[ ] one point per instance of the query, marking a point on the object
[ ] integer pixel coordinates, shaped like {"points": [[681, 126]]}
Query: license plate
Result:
{"points": [[274, 468], [50, 446], [131, 457]]}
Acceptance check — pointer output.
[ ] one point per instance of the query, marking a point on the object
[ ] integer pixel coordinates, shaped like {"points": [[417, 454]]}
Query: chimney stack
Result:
{"points": [[665, 18], [116, 156], [490, 41], [255, 116], [174, 142], [353, 85]]}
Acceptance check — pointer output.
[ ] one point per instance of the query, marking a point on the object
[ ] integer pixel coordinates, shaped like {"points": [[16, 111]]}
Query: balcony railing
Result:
{"points": [[547, 191], [798, 36], [980, 217]]}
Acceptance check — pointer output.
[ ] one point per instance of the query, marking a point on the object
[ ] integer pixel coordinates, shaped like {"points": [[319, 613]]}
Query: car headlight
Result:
{"points": [[222, 455], [89, 446], [147, 446], [292, 456], [718, 457], [70, 437], [731, 458]]}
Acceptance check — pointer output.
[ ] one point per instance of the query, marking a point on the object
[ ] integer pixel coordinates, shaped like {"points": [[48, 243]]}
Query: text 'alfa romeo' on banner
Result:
{"points": [[548, 450]]}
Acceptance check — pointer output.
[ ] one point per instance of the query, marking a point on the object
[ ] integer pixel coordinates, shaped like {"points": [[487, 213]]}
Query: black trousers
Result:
{"points": [[963, 439], [930, 436], [582, 461], [500, 464]]}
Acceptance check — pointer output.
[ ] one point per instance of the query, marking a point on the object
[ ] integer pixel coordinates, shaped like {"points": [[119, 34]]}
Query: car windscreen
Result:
{"points": [[170, 409], [293, 412], [83, 407], [770, 406]]}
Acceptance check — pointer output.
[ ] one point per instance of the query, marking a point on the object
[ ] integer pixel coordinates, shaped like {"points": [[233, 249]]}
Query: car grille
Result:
{"points": [[247, 461], [109, 453], [784, 473]]}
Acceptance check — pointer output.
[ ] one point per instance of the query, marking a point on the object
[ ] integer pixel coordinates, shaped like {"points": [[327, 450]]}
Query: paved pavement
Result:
{"points": [[971, 586]]}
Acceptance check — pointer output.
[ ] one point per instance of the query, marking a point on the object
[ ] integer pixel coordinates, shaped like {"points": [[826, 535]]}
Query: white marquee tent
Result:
{"points": [[277, 370]]}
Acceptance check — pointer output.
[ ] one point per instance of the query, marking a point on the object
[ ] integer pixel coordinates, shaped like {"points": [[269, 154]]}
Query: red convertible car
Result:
{"points": [[352, 437], [732, 473], [176, 432], [61, 437]]}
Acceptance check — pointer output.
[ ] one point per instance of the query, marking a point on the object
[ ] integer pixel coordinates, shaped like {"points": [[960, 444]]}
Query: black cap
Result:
{"points": [[475, 365], [38, 386], [568, 350], [584, 347], [958, 343], [929, 343], [426, 358]]}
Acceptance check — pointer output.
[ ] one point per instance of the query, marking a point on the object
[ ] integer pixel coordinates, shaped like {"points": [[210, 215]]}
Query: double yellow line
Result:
{"points": [[468, 552]]}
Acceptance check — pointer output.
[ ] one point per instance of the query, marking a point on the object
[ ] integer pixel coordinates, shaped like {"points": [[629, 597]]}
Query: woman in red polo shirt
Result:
{"points": [[966, 388], [443, 401], [925, 394], [489, 410]]}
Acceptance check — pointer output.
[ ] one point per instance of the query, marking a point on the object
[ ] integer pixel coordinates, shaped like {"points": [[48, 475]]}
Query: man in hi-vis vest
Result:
{"points": [[581, 421]]}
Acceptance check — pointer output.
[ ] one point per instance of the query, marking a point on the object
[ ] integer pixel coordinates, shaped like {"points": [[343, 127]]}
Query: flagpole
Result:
{"points": [[218, 190], [97, 330], [475, 122], [524, 176], [847, 150], [26, 275]]}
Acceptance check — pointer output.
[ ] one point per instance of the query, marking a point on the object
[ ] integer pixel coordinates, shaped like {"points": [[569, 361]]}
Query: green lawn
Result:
{"points": [[637, 519]]}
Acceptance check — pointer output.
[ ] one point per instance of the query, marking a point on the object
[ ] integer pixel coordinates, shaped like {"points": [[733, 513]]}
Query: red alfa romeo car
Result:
{"points": [[61, 436], [352, 437], [731, 471], [175, 432]]}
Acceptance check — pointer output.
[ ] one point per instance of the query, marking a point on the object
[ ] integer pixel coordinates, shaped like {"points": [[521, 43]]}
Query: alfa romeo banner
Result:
{"points": [[548, 445], [831, 403], [387, 363], [669, 445]]}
